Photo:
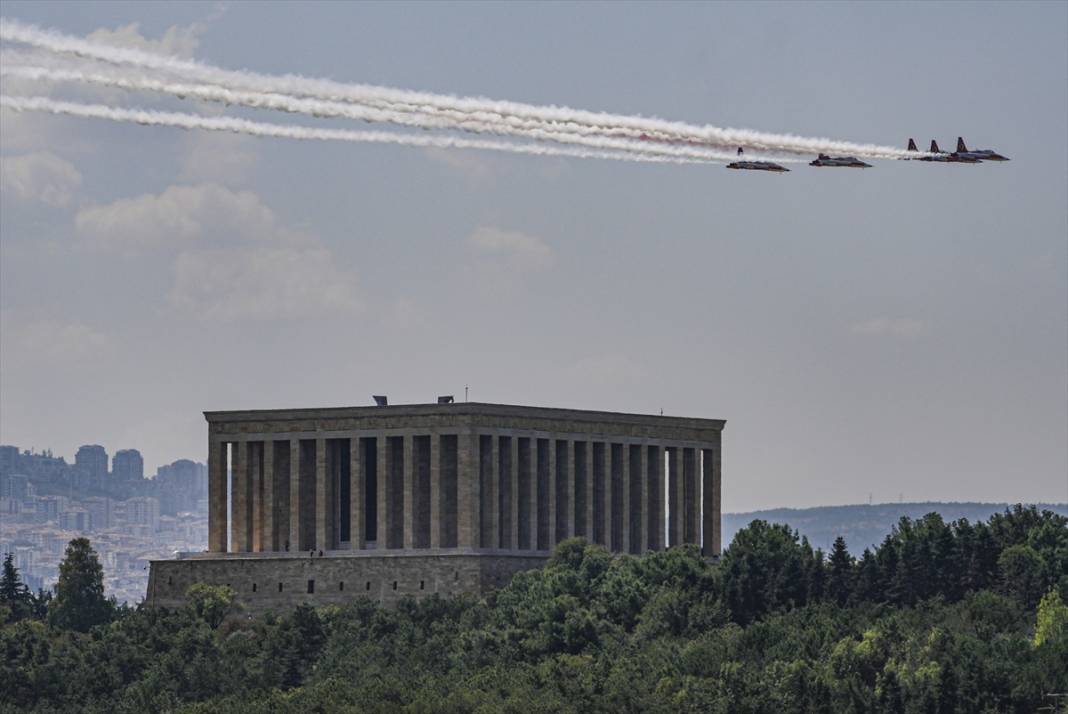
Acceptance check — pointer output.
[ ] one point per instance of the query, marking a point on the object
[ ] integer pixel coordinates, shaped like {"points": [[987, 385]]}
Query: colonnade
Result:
{"points": [[482, 490]]}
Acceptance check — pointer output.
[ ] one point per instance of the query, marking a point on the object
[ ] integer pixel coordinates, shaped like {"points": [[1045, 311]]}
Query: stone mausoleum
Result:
{"points": [[321, 506]]}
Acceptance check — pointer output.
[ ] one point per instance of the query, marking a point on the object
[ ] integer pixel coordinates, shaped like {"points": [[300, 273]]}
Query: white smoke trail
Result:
{"points": [[565, 118], [322, 108], [245, 126]]}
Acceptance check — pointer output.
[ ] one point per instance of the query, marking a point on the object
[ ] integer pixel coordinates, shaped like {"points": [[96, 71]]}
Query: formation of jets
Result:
{"points": [[962, 155]]}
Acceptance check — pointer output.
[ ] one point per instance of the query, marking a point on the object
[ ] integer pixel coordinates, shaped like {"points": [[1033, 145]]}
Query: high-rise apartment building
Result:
{"points": [[93, 460], [127, 465], [9, 456]]}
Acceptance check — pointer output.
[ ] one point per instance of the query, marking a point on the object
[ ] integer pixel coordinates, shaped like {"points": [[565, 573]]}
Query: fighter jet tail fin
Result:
{"points": [[934, 147], [960, 144], [912, 145]]}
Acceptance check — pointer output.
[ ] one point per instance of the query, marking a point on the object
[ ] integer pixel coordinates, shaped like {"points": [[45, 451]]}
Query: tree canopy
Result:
{"points": [[933, 620], [79, 603]]}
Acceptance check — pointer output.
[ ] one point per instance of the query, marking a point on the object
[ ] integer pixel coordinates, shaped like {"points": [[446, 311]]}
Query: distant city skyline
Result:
{"points": [[135, 466], [46, 500]]}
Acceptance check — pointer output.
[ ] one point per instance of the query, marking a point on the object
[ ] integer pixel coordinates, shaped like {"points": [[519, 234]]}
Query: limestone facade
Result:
{"points": [[383, 491]]}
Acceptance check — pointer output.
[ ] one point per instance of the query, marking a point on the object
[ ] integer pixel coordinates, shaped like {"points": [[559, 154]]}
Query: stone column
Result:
{"points": [[256, 482], [216, 495], [590, 476], [239, 505], [708, 510], [656, 479], [269, 541], [294, 496], [492, 499], [648, 500], [323, 503], [532, 509], [714, 520], [717, 467], [690, 461], [553, 530], [435, 490], [627, 507], [675, 514], [513, 476], [409, 491], [607, 513], [357, 494], [468, 490], [384, 496], [570, 488]]}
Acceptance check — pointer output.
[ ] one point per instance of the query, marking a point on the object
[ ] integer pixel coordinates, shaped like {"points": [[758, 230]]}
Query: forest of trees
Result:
{"points": [[957, 617], [865, 525]]}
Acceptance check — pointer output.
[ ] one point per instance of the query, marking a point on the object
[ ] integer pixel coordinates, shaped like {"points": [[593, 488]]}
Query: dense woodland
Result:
{"points": [[957, 617]]}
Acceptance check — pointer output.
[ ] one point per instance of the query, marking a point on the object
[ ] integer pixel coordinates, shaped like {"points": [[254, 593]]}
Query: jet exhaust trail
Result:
{"points": [[562, 119], [321, 108], [289, 131]]}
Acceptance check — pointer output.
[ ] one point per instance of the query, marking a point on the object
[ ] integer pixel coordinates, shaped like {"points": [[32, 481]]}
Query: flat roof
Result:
{"points": [[460, 409]]}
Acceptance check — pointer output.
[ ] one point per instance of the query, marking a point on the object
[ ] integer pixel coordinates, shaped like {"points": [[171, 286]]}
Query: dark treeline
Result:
{"points": [[1020, 552], [864, 525], [939, 617]]}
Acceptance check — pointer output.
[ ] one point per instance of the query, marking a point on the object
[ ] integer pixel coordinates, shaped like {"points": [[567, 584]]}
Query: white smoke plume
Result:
{"points": [[289, 131], [563, 119], [323, 108]]}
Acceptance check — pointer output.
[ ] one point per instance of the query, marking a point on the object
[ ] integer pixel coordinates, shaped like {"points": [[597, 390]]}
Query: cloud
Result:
{"points": [[182, 215], [33, 131], [469, 164], [605, 370], [177, 40], [234, 259], [52, 341], [903, 327], [252, 282], [227, 159], [512, 249], [39, 177]]}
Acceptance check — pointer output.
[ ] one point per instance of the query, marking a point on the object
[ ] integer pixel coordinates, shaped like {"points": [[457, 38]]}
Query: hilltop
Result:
{"points": [[862, 525]]}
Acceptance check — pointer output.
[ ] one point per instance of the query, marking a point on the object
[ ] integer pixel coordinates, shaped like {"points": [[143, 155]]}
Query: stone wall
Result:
{"points": [[279, 583]]}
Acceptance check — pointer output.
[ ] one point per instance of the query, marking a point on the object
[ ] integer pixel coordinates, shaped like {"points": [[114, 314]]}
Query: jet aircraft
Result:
{"points": [[978, 154], [941, 156], [849, 161], [756, 165]]}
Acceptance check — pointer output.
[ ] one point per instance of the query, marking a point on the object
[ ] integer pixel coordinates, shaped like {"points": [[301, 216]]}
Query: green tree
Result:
{"points": [[840, 576], [1022, 574], [764, 570], [817, 576], [296, 642], [1052, 620], [211, 603], [79, 603], [40, 603], [886, 558], [14, 594], [868, 581]]}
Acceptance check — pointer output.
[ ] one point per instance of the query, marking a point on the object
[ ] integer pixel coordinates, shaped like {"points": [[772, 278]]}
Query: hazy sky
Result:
{"points": [[901, 331]]}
